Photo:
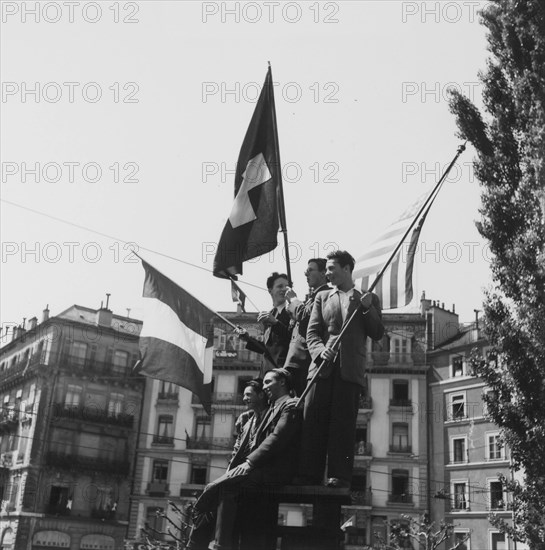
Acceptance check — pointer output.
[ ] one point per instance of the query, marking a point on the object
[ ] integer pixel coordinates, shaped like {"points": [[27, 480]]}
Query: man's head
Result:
{"points": [[277, 284], [315, 273], [253, 396], [277, 382], [339, 267]]}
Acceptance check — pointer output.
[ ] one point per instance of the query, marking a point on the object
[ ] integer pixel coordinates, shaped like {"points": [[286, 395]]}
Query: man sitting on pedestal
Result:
{"points": [[272, 461]]}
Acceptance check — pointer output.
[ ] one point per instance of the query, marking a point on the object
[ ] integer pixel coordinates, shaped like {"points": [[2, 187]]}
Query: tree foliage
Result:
{"points": [[421, 534], [509, 138]]}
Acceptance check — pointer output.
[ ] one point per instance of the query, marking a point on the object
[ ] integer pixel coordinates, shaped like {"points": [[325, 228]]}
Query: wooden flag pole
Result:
{"points": [[280, 190], [320, 362]]}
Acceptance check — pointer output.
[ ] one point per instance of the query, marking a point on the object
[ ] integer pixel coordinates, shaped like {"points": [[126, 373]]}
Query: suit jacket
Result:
{"points": [[276, 447], [298, 349], [325, 325], [276, 340]]}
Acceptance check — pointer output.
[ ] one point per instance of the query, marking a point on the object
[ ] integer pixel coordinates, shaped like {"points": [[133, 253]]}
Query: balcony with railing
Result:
{"points": [[243, 357], [361, 498], [224, 444], [400, 448], [383, 358], [400, 498], [91, 414], [70, 461], [163, 440], [363, 449], [158, 488], [88, 365], [396, 402], [167, 398], [365, 403], [20, 366], [222, 399]]}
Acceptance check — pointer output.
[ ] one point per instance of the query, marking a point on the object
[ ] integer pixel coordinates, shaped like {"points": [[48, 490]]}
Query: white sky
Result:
{"points": [[360, 99]]}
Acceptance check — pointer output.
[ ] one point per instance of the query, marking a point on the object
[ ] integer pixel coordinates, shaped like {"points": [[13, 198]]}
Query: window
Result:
{"points": [[58, 499], [459, 450], [73, 396], [458, 406], [498, 541], [460, 496], [115, 405], [464, 538], [400, 437], [401, 348], [494, 447], [120, 360], [400, 392], [488, 395], [78, 353], [203, 428], [457, 366], [168, 390], [198, 474], [356, 536], [496, 496], [400, 486], [154, 519], [160, 471], [164, 429]]}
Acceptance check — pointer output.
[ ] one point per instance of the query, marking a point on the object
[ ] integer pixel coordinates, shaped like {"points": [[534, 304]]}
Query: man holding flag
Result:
{"points": [[331, 406]]}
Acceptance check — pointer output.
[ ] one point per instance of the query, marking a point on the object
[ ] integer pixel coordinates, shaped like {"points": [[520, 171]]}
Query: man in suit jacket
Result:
{"points": [[331, 406], [247, 423], [272, 461], [298, 358], [277, 324]]}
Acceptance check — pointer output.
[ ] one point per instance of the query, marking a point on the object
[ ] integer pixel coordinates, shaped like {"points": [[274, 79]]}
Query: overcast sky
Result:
{"points": [[131, 116]]}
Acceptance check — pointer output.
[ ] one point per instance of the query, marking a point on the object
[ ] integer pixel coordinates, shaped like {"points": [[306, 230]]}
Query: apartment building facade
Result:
{"points": [[70, 405], [467, 455]]}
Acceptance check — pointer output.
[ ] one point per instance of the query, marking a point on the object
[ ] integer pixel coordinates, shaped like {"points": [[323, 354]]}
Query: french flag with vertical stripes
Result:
{"points": [[395, 288], [176, 342]]}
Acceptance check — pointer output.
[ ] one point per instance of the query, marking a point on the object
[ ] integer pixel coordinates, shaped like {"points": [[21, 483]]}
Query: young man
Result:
{"points": [[298, 358], [331, 407], [277, 324], [272, 461], [247, 423]]}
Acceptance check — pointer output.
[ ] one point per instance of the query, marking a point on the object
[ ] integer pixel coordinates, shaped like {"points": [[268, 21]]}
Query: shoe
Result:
{"points": [[336, 483]]}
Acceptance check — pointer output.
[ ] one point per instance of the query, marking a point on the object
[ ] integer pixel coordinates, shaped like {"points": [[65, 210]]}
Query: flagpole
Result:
{"points": [[280, 190], [320, 362]]}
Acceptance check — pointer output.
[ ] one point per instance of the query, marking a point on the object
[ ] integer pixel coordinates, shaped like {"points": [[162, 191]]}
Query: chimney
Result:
{"points": [[104, 317], [477, 318], [32, 323], [45, 314], [453, 308], [424, 304]]}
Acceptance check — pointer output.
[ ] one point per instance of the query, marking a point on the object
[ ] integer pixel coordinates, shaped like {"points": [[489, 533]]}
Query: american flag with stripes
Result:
{"points": [[395, 288]]}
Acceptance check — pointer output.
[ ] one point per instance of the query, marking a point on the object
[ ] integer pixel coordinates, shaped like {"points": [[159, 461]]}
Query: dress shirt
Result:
{"points": [[344, 298]]}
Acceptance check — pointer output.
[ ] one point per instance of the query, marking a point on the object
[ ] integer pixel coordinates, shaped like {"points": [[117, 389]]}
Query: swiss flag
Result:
{"points": [[252, 227]]}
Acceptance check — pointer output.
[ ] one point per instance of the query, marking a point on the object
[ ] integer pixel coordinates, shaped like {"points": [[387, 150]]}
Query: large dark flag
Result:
{"points": [[252, 227], [176, 342], [395, 288]]}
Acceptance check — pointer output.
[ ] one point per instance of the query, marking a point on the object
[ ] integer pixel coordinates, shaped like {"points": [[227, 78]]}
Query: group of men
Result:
{"points": [[278, 442]]}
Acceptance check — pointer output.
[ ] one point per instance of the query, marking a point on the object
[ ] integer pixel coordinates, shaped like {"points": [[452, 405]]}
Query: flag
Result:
{"points": [[395, 288], [350, 522], [176, 342], [238, 295], [252, 227]]}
